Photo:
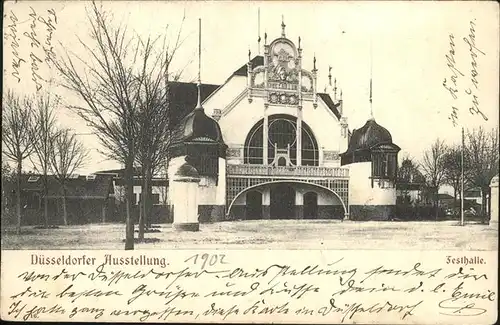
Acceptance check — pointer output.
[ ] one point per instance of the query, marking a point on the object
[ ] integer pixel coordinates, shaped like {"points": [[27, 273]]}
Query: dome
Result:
{"points": [[365, 140], [197, 125], [370, 135]]}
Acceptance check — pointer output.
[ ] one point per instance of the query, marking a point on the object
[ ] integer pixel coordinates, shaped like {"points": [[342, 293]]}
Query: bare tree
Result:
{"points": [[154, 138], [453, 169], [154, 135], [111, 82], [43, 132], [68, 155], [17, 118], [410, 178], [434, 169], [408, 170], [154, 120], [483, 157]]}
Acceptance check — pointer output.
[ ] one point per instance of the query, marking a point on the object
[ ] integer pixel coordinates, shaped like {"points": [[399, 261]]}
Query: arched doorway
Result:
{"points": [[282, 201], [276, 198], [311, 205], [254, 205]]}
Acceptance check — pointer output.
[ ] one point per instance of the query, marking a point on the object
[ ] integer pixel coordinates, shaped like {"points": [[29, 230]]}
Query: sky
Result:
{"points": [[403, 46]]}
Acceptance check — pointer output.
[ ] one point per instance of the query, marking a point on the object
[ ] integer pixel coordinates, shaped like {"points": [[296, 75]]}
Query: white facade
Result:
{"points": [[362, 193], [284, 143]]}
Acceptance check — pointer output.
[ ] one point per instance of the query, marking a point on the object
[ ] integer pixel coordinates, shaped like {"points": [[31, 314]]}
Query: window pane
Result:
{"points": [[282, 133]]}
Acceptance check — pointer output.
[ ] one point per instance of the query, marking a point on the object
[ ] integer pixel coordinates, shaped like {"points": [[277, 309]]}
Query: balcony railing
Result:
{"points": [[297, 171]]}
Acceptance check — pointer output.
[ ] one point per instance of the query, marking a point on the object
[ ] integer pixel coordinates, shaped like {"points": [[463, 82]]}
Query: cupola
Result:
{"points": [[198, 126], [199, 137]]}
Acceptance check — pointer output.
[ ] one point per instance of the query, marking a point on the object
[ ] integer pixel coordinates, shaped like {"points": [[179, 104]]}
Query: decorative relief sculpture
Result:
{"points": [[234, 152], [331, 155], [258, 76], [307, 81], [282, 75], [283, 98], [282, 64]]}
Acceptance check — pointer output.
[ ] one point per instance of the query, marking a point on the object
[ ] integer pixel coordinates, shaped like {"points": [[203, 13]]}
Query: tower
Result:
{"points": [[372, 159], [197, 140]]}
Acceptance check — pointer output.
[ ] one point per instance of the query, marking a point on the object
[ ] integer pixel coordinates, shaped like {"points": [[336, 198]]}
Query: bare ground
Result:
{"points": [[268, 234]]}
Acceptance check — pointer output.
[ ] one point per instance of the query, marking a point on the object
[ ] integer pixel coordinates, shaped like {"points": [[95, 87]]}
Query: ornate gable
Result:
{"points": [[281, 79]]}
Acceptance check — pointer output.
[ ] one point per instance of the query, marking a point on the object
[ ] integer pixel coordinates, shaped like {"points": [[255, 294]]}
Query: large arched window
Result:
{"points": [[282, 131], [282, 134], [254, 148]]}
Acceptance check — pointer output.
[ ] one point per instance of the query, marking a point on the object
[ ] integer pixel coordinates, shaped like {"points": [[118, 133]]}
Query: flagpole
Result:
{"points": [[258, 31], [462, 181]]}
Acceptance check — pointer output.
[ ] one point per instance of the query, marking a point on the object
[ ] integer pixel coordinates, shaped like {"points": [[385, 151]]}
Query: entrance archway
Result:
{"points": [[234, 213], [254, 205], [310, 205], [282, 201]]}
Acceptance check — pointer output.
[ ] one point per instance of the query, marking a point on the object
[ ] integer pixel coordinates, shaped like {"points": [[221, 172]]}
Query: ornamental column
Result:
{"points": [[185, 198], [299, 136], [494, 201], [299, 108], [265, 136]]}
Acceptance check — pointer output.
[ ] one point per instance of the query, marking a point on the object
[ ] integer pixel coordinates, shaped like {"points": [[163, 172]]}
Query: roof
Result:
{"points": [[197, 126], [118, 172], [476, 192], [369, 136], [243, 71], [156, 181], [81, 187], [184, 97], [445, 196], [331, 105]]}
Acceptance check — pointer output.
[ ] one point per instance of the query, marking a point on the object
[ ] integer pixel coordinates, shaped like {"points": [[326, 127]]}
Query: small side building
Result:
{"points": [[89, 199], [372, 159], [159, 189]]}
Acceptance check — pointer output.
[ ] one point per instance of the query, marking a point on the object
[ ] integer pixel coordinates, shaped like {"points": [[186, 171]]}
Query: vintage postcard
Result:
{"points": [[307, 162]]}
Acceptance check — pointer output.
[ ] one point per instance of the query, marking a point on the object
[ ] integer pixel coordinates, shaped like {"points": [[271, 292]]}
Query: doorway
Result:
{"points": [[282, 201], [254, 205], [310, 205]]}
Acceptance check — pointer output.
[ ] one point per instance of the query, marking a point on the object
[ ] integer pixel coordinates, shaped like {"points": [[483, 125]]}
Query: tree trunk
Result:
{"points": [[145, 201], [65, 210], [45, 201], [436, 200], [148, 201], [484, 203], [129, 181], [18, 196], [141, 219], [103, 211], [142, 207], [455, 196]]}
